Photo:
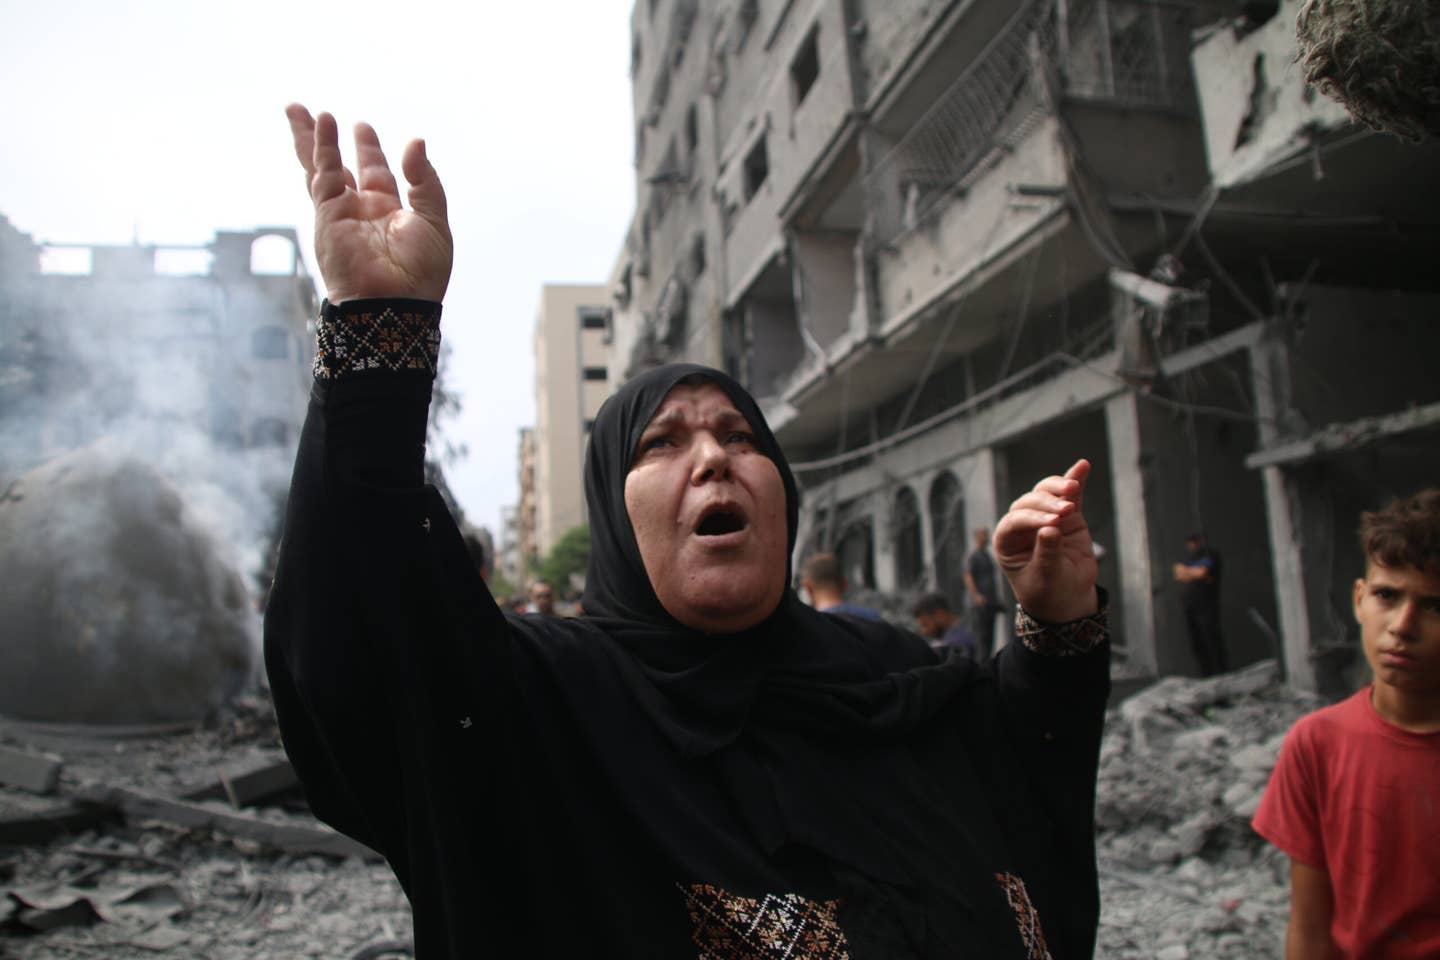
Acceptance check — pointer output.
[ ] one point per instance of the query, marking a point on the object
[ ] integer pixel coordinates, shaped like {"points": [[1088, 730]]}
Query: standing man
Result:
{"points": [[823, 580], [1199, 578], [980, 580]]}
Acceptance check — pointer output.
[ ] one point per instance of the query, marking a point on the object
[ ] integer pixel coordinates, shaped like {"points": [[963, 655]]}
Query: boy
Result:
{"points": [[1355, 798]]}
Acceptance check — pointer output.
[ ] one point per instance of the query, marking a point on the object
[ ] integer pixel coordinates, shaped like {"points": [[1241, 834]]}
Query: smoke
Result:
{"points": [[202, 379]]}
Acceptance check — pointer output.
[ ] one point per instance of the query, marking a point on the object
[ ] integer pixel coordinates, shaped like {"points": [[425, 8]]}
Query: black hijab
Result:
{"points": [[840, 736]]}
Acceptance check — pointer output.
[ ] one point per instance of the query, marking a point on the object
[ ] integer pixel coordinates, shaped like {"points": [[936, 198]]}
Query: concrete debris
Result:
{"points": [[1183, 766], [168, 876], [36, 772]]}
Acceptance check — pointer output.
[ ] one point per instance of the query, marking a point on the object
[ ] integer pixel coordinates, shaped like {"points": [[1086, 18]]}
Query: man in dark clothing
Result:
{"points": [[938, 623], [1199, 578], [980, 580]]}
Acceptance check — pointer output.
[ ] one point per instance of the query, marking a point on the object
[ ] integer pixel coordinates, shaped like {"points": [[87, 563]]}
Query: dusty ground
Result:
{"points": [[1182, 876]]}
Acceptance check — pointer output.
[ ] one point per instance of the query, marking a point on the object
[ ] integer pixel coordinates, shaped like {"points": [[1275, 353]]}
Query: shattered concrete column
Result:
{"points": [[1269, 371], [1133, 595]]}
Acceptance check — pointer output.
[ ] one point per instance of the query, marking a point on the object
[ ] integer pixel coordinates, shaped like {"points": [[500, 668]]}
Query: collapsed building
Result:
{"points": [[954, 246], [150, 404]]}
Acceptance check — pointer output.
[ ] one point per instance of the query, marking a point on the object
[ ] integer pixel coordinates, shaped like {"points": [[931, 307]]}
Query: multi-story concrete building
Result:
{"points": [[572, 356], [954, 246], [215, 337]]}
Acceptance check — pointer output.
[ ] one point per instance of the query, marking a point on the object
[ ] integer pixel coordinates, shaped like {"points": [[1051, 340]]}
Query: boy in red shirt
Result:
{"points": [[1355, 798]]}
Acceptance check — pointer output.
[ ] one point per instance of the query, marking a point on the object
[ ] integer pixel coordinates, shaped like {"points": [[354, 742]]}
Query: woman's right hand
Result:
{"points": [[366, 242]]}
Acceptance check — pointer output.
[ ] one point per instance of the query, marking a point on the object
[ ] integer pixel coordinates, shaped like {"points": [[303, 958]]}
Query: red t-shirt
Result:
{"points": [[1360, 798]]}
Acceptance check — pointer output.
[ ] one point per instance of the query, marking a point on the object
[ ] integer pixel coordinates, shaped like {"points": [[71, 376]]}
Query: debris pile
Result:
{"points": [[1183, 766], [191, 844], [198, 843]]}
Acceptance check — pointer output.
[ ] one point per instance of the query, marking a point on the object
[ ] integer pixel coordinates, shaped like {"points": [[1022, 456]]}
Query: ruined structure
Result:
{"points": [[150, 404], [954, 246]]}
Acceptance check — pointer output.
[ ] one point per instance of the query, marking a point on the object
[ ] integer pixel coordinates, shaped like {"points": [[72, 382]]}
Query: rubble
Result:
{"points": [[161, 862], [1183, 765], [143, 853]]}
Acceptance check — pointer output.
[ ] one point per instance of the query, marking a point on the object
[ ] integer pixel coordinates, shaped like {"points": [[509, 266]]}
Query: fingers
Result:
{"points": [[427, 196], [373, 172], [1079, 472], [302, 131], [328, 177]]}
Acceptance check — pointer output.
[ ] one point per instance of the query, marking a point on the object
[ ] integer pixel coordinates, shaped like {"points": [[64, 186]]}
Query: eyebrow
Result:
{"points": [[723, 418]]}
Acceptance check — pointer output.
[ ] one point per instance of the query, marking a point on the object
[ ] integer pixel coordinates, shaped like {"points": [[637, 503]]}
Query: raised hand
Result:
{"points": [[366, 242], [1043, 546]]}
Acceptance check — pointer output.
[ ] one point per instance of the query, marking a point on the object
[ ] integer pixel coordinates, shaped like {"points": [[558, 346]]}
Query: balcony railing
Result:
{"points": [[1131, 53]]}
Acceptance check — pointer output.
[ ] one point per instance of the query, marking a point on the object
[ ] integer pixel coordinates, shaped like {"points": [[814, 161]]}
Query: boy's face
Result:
{"points": [[1398, 609]]}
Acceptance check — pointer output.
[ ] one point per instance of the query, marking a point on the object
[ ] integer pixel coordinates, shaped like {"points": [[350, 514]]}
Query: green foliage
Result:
{"points": [[568, 556]]}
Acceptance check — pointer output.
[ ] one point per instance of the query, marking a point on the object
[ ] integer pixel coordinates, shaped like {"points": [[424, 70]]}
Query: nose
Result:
{"points": [[1402, 618], [712, 460]]}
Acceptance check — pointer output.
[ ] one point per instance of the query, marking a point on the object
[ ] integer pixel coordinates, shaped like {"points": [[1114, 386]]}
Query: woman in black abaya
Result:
{"points": [[702, 766]]}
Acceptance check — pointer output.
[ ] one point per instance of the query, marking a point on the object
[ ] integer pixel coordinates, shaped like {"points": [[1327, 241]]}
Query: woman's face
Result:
{"points": [[708, 511]]}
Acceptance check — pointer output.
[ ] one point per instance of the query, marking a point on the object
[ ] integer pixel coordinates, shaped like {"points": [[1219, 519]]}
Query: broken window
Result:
{"points": [[806, 66], [595, 373], [757, 168]]}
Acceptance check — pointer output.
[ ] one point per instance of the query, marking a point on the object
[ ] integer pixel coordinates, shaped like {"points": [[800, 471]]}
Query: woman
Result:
{"points": [[701, 765]]}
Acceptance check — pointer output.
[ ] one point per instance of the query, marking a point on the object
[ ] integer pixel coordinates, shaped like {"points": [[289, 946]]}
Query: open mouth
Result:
{"points": [[720, 521]]}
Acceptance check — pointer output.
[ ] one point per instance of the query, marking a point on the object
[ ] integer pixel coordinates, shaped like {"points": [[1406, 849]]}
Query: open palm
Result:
{"points": [[366, 242]]}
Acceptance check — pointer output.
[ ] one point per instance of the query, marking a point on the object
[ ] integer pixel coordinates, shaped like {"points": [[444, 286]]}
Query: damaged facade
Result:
{"points": [[233, 315], [954, 246]]}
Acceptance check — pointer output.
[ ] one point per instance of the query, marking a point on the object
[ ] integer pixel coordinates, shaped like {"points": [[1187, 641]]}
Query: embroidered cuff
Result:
{"points": [[1065, 639], [393, 334]]}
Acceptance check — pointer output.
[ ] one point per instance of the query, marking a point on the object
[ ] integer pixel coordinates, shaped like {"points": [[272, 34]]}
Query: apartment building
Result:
{"points": [[572, 356], [954, 246]]}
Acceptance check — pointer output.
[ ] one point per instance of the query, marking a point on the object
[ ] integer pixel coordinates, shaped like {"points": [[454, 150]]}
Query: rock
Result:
{"points": [[1243, 799], [1203, 740], [1258, 757], [1176, 951], [118, 608]]}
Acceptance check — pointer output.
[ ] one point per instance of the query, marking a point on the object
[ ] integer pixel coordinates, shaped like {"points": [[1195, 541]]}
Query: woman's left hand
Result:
{"points": [[1043, 546]]}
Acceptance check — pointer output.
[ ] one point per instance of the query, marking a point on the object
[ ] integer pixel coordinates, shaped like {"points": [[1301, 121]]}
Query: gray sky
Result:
{"points": [[162, 121]]}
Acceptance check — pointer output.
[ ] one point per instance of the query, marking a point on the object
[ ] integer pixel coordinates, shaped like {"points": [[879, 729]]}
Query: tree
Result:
{"points": [[568, 556]]}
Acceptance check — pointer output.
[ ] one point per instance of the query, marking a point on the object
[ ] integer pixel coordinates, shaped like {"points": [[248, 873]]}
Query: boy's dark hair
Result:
{"points": [[823, 569], [1405, 532], [930, 603]]}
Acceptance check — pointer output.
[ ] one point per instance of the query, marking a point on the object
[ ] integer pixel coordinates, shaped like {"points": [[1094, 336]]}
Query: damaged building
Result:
{"points": [[150, 405], [952, 247]]}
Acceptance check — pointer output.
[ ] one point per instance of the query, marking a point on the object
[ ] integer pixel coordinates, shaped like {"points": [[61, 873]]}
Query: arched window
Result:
{"points": [[947, 524], [909, 545], [856, 550]]}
